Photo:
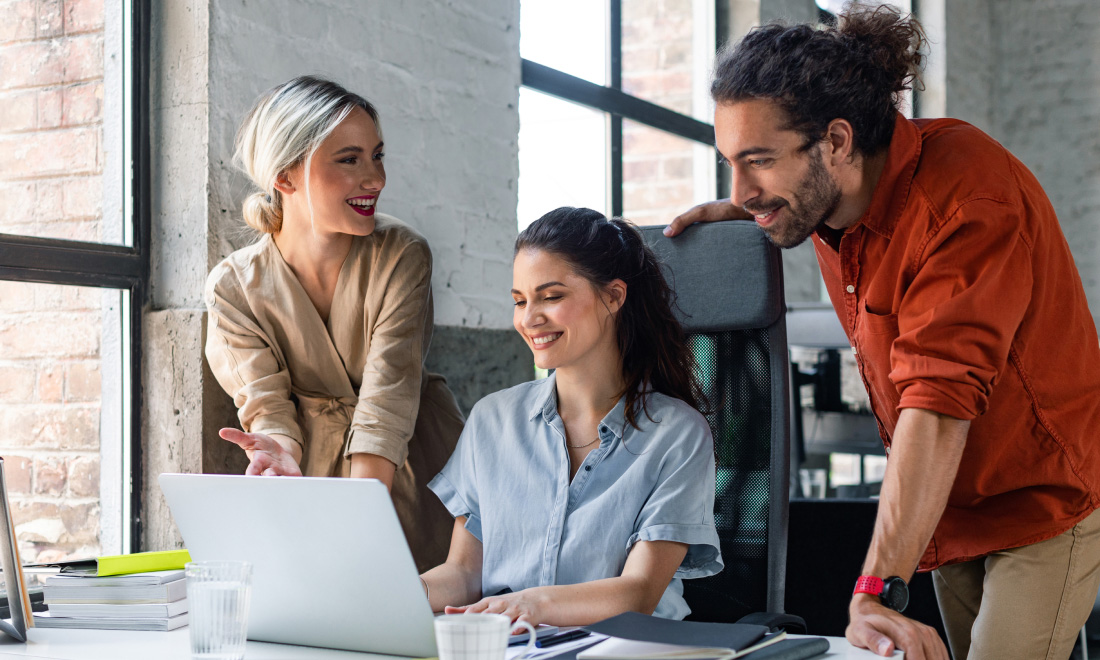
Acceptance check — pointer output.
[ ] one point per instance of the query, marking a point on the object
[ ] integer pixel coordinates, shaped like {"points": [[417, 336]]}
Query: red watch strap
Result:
{"points": [[868, 584]]}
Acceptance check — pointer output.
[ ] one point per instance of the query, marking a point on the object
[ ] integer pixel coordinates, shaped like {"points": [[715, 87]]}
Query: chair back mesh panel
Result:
{"points": [[728, 280]]}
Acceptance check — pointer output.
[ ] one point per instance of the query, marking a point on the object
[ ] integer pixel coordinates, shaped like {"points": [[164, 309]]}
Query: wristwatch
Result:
{"points": [[893, 592]]}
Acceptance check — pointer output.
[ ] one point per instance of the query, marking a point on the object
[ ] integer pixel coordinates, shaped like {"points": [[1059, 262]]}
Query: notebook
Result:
{"points": [[331, 567]]}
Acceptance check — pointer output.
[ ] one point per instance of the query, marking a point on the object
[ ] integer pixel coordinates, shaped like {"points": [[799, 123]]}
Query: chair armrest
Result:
{"points": [[776, 621]]}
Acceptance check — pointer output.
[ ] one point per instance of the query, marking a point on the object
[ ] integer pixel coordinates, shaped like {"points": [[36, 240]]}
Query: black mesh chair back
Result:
{"points": [[729, 297]]}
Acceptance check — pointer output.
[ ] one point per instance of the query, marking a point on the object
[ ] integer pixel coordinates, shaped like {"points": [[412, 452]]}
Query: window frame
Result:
{"points": [[78, 263], [618, 105]]}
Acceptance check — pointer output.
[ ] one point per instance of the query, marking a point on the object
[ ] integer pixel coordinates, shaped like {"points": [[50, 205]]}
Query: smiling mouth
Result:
{"points": [[766, 218], [540, 342], [363, 205]]}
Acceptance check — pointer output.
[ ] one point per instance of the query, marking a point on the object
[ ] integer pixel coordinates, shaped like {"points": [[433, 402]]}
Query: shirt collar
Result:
{"points": [[545, 402], [892, 189]]}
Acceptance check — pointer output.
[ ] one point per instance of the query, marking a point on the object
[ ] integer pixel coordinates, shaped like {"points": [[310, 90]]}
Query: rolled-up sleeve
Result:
{"points": [[957, 320], [456, 484], [681, 506], [389, 397], [243, 361]]}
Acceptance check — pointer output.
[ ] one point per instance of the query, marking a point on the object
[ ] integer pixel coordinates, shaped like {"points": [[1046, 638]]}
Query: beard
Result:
{"points": [[814, 201]]}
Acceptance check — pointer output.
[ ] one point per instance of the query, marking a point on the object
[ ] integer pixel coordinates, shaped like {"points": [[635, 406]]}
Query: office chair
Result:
{"points": [[728, 281]]}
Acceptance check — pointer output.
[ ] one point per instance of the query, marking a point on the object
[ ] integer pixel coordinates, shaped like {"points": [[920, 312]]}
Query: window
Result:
{"points": [[615, 108], [73, 268]]}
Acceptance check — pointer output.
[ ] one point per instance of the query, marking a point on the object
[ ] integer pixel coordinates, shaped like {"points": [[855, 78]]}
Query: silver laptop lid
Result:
{"points": [[331, 564]]}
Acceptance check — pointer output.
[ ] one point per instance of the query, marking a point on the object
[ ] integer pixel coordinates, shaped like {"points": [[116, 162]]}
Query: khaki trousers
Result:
{"points": [[1027, 603]]}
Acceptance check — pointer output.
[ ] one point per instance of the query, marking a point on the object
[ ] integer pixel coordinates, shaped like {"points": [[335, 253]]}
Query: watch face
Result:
{"points": [[895, 594]]}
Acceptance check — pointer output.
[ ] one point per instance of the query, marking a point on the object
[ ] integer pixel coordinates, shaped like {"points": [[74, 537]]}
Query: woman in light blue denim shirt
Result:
{"points": [[591, 492]]}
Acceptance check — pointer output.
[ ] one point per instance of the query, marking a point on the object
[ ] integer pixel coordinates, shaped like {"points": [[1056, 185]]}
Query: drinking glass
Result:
{"points": [[218, 593]]}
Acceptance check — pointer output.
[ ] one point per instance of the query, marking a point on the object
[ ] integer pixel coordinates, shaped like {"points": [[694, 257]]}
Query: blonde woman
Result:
{"points": [[319, 330]]}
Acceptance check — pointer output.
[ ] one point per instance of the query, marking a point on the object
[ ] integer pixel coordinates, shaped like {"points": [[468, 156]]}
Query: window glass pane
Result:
{"points": [[562, 156], [568, 35], [61, 122], [61, 382], [668, 53], [663, 174]]}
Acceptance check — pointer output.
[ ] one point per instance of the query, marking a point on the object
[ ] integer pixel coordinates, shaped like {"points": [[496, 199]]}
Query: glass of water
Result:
{"points": [[218, 594]]}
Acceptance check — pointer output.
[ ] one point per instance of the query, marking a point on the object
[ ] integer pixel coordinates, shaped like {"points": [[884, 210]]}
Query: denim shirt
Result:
{"points": [[509, 476]]}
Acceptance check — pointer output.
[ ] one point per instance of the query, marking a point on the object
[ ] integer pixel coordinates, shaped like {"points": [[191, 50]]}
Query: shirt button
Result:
{"points": [[588, 468], [850, 289]]}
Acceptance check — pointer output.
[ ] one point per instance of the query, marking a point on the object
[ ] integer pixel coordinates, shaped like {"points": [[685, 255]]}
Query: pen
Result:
{"points": [[561, 638]]}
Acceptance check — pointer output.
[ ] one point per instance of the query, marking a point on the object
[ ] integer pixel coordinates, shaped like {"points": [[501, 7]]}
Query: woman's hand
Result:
{"points": [[527, 605], [268, 457]]}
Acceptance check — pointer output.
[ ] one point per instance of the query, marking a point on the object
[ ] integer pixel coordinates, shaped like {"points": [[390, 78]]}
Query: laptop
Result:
{"points": [[331, 567]]}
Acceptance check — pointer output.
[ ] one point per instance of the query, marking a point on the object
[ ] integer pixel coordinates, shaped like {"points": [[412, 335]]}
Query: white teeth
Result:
{"points": [[545, 340], [362, 202]]}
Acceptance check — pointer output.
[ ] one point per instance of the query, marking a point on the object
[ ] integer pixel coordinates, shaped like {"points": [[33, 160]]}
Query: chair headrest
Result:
{"points": [[726, 275]]}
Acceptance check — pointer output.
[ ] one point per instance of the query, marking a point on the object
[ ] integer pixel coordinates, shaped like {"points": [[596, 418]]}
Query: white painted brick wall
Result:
{"points": [[444, 76]]}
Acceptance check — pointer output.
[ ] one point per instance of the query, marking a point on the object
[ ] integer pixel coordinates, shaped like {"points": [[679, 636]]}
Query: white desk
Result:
{"points": [[52, 644]]}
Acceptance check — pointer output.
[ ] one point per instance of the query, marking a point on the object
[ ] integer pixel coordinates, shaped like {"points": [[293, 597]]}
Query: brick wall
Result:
{"points": [[51, 166], [658, 168]]}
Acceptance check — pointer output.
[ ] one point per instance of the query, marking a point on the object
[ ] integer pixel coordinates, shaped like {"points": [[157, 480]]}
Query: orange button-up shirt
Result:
{"points": [[959, 294]]}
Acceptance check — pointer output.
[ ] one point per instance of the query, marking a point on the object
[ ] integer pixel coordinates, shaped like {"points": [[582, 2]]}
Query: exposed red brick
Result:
{"points": [[17, 383], [40, 336], [81, 522], [19, 18], [82, 104], [51, 384], [50, 21], [68, 151], [50, 476], [82, 381], [83, 16], [82, 197], [68, 427], [17, 473], [83, 57], [84, 476], [82, 230], [32, 64], [18, 206], [18, 111], [15, 297], [47, 203], [50, 107]]}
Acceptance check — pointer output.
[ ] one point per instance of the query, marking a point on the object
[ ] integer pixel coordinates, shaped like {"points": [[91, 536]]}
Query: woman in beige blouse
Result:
{"points": [[319, 330]]}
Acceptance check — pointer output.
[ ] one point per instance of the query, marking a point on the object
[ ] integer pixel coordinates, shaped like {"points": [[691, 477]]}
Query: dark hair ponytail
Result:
{"points": [[855, 71], [651, 341]]}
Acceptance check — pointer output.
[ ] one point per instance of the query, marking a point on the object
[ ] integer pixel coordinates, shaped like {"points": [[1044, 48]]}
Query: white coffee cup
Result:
{"points": [[477, 636]]}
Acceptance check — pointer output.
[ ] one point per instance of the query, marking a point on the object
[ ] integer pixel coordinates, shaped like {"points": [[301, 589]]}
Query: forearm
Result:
{"points": [[589, 602], [371, 466], [924, 459], [451, 583]]}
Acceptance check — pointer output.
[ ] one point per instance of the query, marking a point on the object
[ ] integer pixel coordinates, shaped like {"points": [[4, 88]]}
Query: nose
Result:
{"points": [[374, 176], [743, 187], [532, 316]]}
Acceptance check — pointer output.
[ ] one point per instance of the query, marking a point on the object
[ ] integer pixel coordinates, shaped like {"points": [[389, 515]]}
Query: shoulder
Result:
{"points": [[240, 270], [675, 424], [959, 163], [392, 236]]}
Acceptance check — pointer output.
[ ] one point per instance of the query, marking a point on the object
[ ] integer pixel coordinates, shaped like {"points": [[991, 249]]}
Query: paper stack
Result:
{"points": [[155, 600]]}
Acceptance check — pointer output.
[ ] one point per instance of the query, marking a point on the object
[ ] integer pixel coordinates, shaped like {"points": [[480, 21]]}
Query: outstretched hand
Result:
{"points": [[881, 630], [268, 457], [722, 209], [522, 605]]}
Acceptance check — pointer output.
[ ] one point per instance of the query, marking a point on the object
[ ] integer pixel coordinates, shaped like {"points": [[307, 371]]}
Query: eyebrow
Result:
{"points": [[752, 151], [540, 287], [353, 149]]}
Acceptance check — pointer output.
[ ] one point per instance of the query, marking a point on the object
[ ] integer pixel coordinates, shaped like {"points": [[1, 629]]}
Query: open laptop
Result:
{"points": [[331, 567]]}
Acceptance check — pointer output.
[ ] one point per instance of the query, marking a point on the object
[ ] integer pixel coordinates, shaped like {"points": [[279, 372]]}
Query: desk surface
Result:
{"points": [[53, 644]]}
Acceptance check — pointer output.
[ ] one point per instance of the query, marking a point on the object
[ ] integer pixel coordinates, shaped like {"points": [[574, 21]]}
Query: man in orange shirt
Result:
{"points": [[949, 272]]}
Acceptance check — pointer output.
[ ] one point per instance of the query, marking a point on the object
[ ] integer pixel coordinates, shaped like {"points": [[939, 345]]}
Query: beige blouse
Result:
{"points": [[355, 384]]}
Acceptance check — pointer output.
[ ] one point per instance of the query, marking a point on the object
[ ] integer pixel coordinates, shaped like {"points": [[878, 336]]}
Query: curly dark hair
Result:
{"points": [[651, 341], [854, 71]]}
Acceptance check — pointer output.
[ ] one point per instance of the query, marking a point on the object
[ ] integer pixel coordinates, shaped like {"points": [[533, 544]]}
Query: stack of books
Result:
{"points": [[148, 600]]}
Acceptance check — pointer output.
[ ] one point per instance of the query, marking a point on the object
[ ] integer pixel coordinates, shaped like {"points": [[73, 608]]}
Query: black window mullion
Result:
{"points": [[615, 123]]}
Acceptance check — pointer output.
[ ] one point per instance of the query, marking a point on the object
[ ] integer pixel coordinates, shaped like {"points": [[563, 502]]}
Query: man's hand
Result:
{"points": [[526, 605], [268, 457], [707, 212], [880, 629]]}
